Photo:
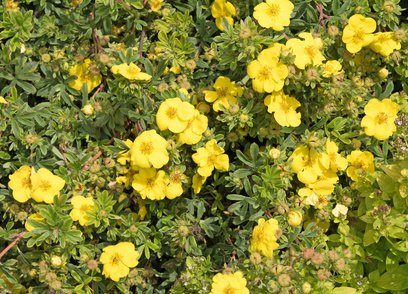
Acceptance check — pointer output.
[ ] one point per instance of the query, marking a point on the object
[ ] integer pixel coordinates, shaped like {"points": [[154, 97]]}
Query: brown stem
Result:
{"points": [[142, 35], [19, 236], [92, 159]]}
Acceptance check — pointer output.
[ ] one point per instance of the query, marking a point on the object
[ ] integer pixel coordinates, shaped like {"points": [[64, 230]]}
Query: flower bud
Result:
{"points": [[92, 264], [284, 280], [294, 218], [306, 287], [317, 258], [383, 73], [88, 109], [56, 261], [308, 253], [274, 153], [46, 58], [255, 258], [323, 274], [333, 31], [191, 64]]}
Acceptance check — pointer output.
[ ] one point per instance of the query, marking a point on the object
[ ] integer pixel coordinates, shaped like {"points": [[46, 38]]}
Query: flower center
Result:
{"points": [[358, 35], [45, 185], [382, 118], [84, 208], [115, 259], [265, 73], [274, 9], [150, 182], [229, 290], [133, 70], [171, 112], [285, 106], [175, 177], [212, 159], [26, 183], [146, 148], [311, 50], [222, 92]]}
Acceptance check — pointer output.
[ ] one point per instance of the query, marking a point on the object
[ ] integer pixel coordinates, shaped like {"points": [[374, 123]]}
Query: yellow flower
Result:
{"points": [[174, 115], [284, 109], [337, 162], [307, 51], [197, 183], [324, 185], [231, 283], [294, 218], [124, 156], [385, 43], [35, 217], [20, 183], [309, 164], [360, 164], [149, 150], [274, 14], [264, 238], [209, 157], [194, 130], [45, 185], [11, 6], [131, 72], [379, 118], [2, 100], [175, 187], [81, 206], [225, 94], [268, 74], [155, 5], [358, 32], [223, 9], [332, 68], [117, 259], [86, 73], [150, 183]]}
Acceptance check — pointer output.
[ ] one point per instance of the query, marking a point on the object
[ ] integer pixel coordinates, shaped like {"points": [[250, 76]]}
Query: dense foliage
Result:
{"points": [[169, 146]]}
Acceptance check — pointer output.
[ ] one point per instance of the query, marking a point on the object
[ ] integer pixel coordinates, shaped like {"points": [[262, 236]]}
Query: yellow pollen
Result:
{"points": [[45, 185], [212, 159], [115, 259], [150, 182], [274, 10], [175, 177], [222, 92], [265, 73], [146, 148], [171, 112], [26, 183], [382, 118], [311, 50], [285, 106]]}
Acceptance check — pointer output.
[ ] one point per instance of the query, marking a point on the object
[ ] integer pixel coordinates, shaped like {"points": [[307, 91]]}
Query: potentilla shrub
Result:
{"points": [[152, 146]]}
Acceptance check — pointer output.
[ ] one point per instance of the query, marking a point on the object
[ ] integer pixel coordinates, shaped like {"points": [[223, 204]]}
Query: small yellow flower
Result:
{"points": [[268, 74], [88, 109], [11, 6], [117, 259], [307, 51], [35, 217], [155, 5], [340, 210], [20, 183], [198, 182], [86, 73], [175, 187], [358, 32], [223, 9], [337, 162], [174, 115], [385, 43], [209, 157], [332, 68], [150, 183], [360, 164], [124, 156], [294, 218], [131, 72], [379, 118], [194, 130], [264, 239], [284, 109], [231, 283], [45, 185], [149, 150], [81, 206], [225, 94], [274, 14]]}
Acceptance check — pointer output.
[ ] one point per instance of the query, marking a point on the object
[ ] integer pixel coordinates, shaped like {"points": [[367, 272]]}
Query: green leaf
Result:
{"points": [[395, 279]]}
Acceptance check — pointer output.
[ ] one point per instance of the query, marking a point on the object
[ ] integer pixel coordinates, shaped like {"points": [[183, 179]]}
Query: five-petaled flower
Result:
{"points": [[222, 9], [284, 109], [274, 14], [131, 72], [209, 157], [231, 283], [358, 33], [264, 237], [81, 207], [149, 150]]}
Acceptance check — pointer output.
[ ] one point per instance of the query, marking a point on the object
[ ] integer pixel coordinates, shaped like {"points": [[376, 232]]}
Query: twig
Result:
{"points": [[322, 15], [19, 236], [92, 159], [142, 35]]}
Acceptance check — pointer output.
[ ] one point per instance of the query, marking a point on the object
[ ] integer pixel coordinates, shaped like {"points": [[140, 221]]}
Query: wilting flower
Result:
{"points": [[198, 182], [149, 150], [268, 74], [81, 207], [231, 283], [174, 115], [284, 109], [385, 43], [274, 14], [358, 32], [360, 164], [379, 118], [45, 185], [20, 183], [117, 259], [264, 237], [131, 72], [175, 186], [150, 183], [223, 9], [209, 157], [86, 73], [307, 51], [225, 94]]}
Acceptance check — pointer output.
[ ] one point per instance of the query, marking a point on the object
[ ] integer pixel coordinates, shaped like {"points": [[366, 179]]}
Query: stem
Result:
{"points": [[92, 159], [19, 236]]}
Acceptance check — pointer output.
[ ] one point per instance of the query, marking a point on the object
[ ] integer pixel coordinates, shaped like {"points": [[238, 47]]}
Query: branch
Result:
{"points": [[19, 236]]}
